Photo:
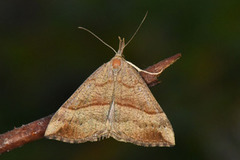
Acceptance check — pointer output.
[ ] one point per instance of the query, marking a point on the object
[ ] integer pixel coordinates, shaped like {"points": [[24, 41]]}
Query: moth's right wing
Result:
{"points": [[138, 118]]}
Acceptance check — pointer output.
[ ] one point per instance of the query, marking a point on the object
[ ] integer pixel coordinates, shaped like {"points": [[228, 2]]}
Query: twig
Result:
{"points": [[24, 134], [152, 80], [35, 130]]}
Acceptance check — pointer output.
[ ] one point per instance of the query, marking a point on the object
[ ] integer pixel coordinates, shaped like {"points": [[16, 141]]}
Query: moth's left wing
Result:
{"points": [[83, 116]]}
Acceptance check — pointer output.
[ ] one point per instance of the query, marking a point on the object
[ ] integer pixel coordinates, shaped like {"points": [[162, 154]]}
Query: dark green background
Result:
{"points": [[44, 57]]}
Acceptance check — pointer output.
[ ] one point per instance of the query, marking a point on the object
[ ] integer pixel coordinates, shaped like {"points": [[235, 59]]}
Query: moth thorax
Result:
{"points": [[116, 62]]}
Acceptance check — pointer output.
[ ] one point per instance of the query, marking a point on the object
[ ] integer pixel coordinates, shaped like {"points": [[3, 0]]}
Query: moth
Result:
{"points": [[113, 102]]}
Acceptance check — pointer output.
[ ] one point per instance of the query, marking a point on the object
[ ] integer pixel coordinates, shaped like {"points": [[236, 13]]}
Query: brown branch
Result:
{"points": [[24, 134], [152, 80], [35, 130]]}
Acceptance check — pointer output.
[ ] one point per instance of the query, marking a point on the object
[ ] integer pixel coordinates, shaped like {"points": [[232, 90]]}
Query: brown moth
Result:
{"points": [[113, 102]]}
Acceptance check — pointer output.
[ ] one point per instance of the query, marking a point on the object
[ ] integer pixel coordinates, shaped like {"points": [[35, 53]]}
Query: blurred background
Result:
{"points": [[44, 57]]}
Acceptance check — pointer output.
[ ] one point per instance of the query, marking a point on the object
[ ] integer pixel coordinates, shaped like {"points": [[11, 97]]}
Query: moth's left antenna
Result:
{"points": [[98, 38]]}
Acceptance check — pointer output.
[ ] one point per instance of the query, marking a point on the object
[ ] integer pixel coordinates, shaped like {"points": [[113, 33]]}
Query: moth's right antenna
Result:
{"points": [[137, 29]]}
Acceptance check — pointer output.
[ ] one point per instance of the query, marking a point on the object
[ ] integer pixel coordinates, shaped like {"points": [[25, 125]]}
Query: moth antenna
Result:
{"points": [[137, 29], [98, 38]]}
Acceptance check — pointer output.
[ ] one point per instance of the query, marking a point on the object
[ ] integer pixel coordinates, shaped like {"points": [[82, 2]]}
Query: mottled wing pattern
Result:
{"points": [[138, 118], [83, 116]]}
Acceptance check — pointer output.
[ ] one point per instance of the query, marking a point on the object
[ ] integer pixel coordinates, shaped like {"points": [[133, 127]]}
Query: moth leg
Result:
{"points": [[140, 70]]}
